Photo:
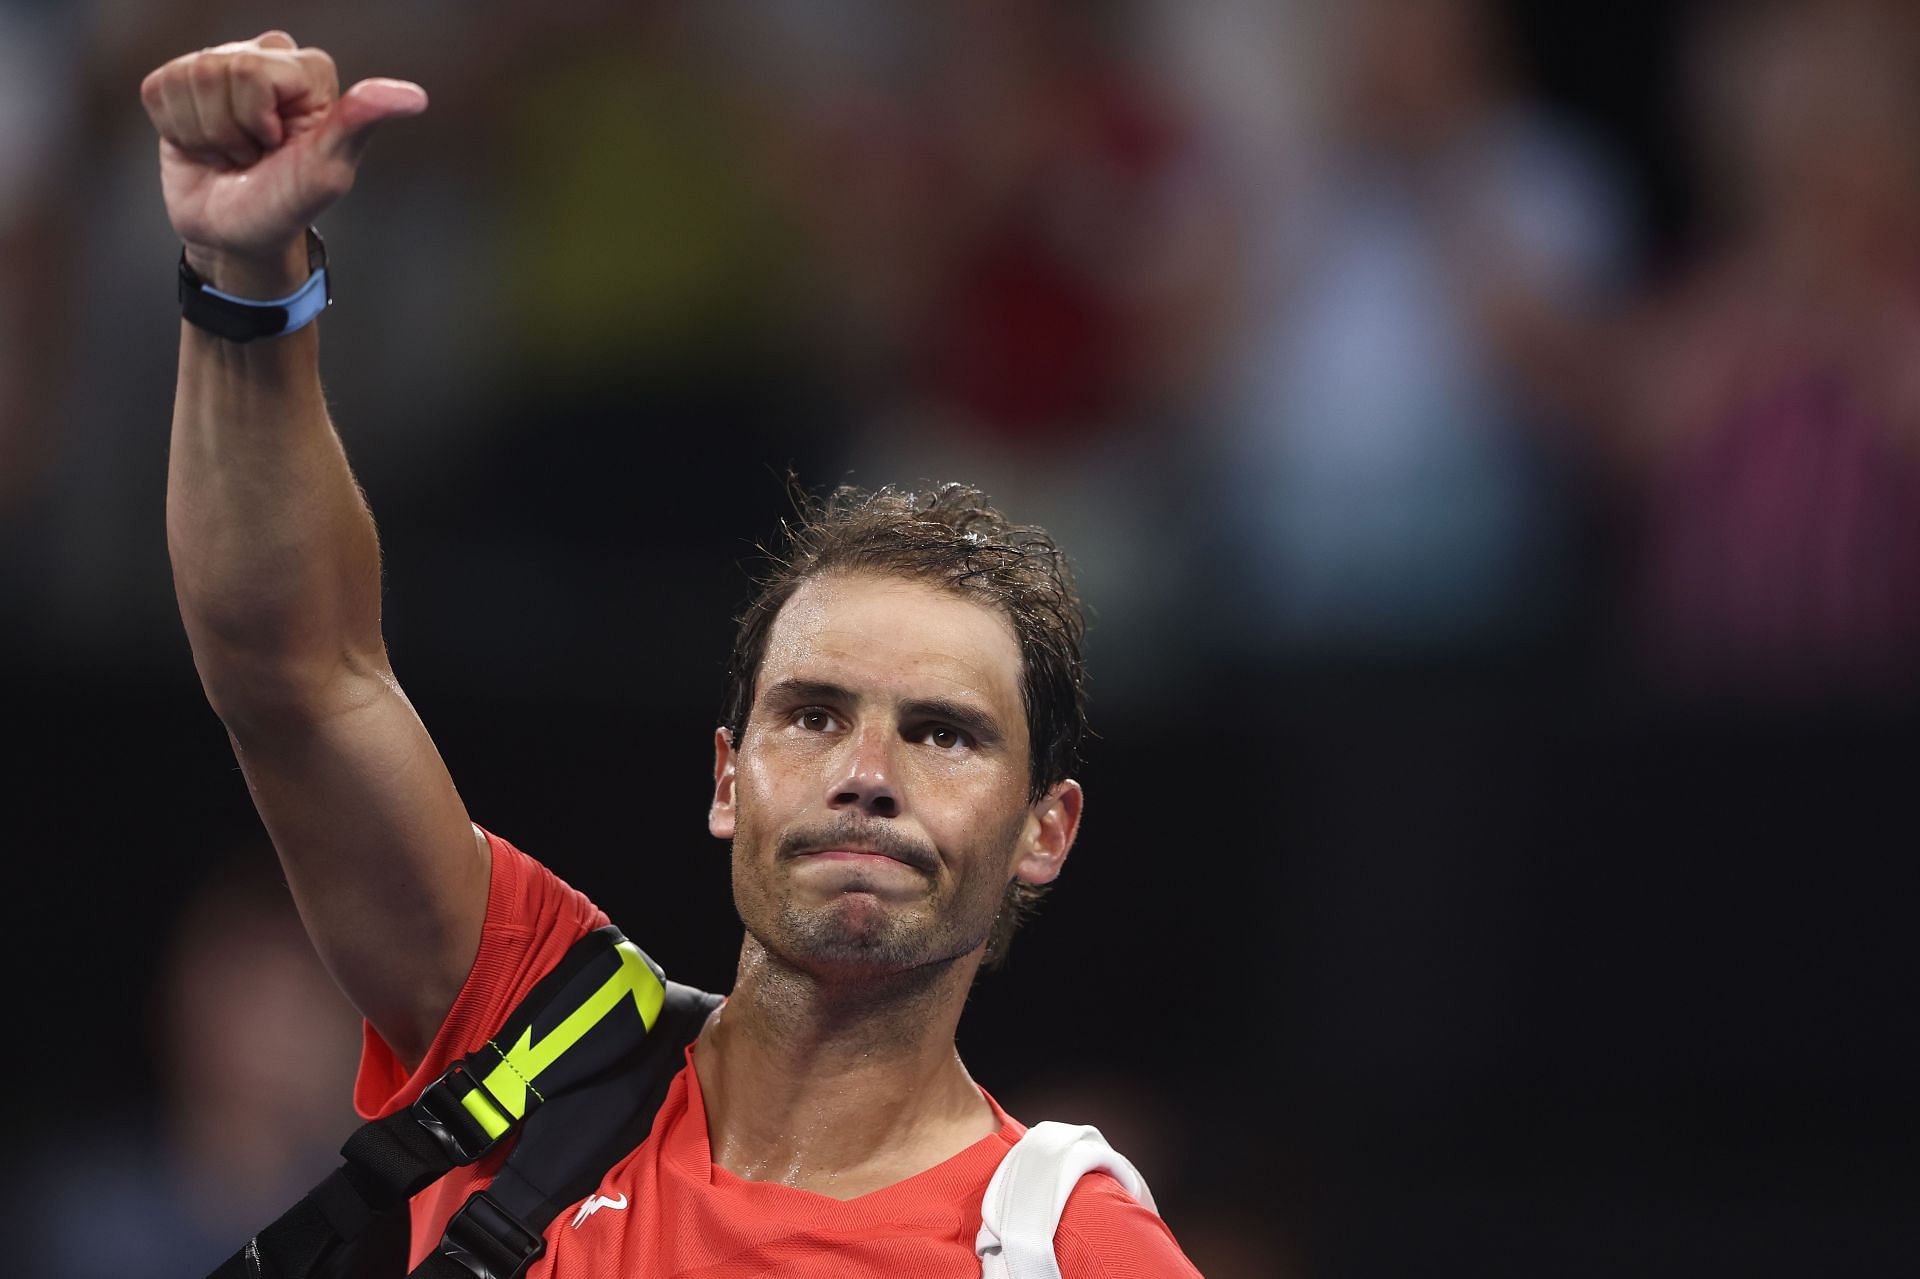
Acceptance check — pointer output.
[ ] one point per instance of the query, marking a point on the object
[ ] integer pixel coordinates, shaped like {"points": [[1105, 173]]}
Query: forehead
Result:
{"points": [[893, 636]]}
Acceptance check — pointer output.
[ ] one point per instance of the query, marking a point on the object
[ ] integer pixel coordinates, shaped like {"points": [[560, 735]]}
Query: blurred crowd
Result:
{"points": [[1330, 338], [1317, 319]]}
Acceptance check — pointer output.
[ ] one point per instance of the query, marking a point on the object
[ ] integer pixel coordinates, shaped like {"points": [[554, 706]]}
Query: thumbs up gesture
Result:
{"points": [[256, 140]]}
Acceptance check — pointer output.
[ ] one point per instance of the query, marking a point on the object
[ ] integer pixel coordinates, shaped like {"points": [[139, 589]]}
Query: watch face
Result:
{"points": [[316, 250]]}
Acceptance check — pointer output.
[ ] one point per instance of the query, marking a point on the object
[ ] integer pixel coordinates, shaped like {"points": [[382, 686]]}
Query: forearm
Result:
{"points": [[274, 556], [275, 560]]}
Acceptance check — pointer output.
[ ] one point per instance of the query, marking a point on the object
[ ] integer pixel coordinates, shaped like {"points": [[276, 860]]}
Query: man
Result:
{"points": [[904, 708]]}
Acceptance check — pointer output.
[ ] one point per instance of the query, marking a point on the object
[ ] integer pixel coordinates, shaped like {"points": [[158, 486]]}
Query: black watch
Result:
{"points": [[240, 319]]}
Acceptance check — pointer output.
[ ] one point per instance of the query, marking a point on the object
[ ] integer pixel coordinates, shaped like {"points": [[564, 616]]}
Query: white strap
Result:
{"points": [[1029, 1191]]}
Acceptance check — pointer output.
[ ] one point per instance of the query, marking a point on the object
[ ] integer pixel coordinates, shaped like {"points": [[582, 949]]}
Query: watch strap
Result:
{"points": [[239, 319]]}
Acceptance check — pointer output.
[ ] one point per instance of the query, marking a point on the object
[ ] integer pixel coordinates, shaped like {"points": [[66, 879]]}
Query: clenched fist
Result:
{"points": [[256, 139]]}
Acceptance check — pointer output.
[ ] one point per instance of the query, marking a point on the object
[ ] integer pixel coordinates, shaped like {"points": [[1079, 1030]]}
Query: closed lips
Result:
{"points": [[865, 854]]}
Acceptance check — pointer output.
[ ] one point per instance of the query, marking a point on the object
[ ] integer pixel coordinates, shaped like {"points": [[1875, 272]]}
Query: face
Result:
{"points": [[878, 798]]}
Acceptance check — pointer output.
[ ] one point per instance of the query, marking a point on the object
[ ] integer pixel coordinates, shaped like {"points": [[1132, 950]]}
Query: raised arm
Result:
{"points": [[275, 560]]}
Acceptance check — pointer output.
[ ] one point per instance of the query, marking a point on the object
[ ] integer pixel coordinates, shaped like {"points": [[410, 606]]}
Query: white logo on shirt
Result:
{"points": [[594, 1204]]}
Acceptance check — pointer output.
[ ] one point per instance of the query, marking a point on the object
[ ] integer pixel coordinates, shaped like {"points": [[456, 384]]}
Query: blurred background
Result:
{"points": [[1489, 437]]}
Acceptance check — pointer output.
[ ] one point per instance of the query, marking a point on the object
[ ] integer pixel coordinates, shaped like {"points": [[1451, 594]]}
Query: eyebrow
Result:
{"points": [[976, 723]]}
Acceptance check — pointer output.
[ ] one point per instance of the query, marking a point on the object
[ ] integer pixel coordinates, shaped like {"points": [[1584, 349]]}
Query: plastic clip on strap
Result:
{"points": [[239, 319], [461, 1115], [606, 1068], [484, 1241]]}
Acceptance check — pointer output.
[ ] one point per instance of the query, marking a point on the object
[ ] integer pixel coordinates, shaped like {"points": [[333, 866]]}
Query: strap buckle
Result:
{"points": [[490, 1242], [444, 1111]]}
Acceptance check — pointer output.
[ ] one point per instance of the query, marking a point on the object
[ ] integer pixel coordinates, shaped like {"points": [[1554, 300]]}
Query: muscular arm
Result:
{"points": [[275, 559]]}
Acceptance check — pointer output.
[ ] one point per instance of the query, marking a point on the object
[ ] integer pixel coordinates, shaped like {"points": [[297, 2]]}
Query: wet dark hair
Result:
{"points": [[949, 535]]}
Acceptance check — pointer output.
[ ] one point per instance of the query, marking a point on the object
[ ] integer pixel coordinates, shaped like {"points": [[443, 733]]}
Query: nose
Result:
{"points": [[865, 781]]}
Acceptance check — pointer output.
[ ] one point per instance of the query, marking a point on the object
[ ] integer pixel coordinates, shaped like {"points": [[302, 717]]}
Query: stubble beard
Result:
{"points": [[856, 933]]}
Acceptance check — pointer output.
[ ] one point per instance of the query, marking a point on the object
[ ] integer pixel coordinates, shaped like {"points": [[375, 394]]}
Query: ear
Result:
{"points": [[1048, 837], [720, 813]]}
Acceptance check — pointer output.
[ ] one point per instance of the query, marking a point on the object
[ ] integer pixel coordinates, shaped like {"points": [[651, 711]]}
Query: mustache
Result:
{"points": [[877, 837]]}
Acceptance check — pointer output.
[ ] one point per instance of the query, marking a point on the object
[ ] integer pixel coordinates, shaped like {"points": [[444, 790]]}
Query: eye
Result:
{"points": [[944, 736], [815, 719]]}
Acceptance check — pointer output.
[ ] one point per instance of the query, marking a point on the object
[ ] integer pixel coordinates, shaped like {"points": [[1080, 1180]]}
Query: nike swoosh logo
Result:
{"points": [[594, 1204]]}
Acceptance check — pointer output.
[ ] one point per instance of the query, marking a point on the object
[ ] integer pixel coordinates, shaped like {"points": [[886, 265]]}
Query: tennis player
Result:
{"points": [[892, 773]]}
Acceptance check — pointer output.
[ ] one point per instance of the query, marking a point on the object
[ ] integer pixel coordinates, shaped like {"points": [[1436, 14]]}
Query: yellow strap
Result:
{"points": [[523, 1062]]}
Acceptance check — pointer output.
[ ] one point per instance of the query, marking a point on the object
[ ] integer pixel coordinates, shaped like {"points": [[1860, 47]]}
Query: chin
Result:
{"points": [[854, 932]]}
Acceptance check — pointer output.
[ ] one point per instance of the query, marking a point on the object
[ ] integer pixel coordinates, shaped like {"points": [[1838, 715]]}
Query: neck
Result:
{"points": [[840, 1084]]}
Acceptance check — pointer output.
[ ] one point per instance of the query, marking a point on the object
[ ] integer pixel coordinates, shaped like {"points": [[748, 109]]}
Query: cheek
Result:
{"points": [[987, 820], [774, 751], [763, 779], [972, 781], [771, 790]]}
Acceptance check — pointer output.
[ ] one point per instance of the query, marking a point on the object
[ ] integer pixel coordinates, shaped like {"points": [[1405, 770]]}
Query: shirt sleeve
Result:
{"points": [[1104, 1233], [533, 918]]}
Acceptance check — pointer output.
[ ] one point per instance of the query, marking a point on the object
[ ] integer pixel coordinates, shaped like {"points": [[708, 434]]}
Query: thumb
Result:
{"points": [[351, 120]]}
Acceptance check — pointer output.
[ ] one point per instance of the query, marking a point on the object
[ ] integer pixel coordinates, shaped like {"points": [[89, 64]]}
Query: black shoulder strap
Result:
{"points": [[594, 1046], [564, 1152]]}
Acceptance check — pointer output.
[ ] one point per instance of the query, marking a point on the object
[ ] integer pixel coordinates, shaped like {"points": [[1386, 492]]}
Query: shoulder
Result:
{"points": [[1105, 1233], [525, 897], [533, 918]]}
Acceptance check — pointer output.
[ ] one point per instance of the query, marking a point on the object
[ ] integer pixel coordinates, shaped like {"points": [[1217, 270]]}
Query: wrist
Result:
{"points": [[259, 277], [267, 308]]}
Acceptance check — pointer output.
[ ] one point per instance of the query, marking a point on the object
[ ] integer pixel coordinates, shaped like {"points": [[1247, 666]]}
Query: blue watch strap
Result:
{"points": [[239, 319], [300, 306]]}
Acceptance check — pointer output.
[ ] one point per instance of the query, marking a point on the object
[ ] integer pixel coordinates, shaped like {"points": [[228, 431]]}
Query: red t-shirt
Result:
{"points": [[673, 1213]]}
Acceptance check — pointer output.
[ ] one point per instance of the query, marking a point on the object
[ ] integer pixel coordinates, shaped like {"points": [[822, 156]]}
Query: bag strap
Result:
{"points": [[564, 1151], [1029, 1191], [572, 1033]]}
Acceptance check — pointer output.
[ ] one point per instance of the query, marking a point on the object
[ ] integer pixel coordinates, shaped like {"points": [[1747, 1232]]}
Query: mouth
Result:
{"points": [[911, 858]]}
